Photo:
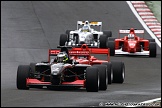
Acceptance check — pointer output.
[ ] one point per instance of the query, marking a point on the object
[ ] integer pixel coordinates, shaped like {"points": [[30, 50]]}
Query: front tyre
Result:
{"points": [[111, 45], [92, 79], [22, 74]]}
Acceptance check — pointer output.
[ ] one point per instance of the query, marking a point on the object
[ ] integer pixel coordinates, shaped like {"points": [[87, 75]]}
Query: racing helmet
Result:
{"points": [[85, 28], [61, 57], [130, 36]]}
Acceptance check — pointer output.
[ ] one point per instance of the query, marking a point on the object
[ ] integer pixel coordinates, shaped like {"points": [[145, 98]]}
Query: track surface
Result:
{"points": [[28, 29]]}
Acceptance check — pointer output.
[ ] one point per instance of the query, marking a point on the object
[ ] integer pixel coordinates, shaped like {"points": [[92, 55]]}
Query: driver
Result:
{"points": [[62, 57], [130, 36], [85, 28]]}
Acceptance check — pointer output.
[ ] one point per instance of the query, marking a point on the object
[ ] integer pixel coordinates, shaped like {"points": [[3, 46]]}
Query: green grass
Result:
{"points": [[155, 7]]}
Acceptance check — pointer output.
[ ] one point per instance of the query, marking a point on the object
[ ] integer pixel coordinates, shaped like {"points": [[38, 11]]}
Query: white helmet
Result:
{"points": [[61, 56], [85, 28], [130, 36]]}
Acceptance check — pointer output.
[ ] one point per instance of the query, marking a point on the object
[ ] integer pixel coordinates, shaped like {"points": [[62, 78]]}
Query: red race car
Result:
{"points": [[132, 44], [74, 67]]}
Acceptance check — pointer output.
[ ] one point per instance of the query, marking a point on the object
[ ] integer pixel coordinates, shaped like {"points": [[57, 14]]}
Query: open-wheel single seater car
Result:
{"points": [[132, 44], [90, 33], [81, 70]]}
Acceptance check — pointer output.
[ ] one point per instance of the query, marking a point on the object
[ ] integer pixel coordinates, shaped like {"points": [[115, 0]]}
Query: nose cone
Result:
{"points": [[82, 38], [132, 47]]}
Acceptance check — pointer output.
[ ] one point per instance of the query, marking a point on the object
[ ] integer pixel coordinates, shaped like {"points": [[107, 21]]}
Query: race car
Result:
{"points": [[85, 35], [81, 70], [132, 44]]}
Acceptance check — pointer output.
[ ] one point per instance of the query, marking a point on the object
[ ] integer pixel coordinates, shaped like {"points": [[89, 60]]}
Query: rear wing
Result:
{"points": [[128, 31], [84, 47], [92, 23], [54, 52], [134, 31], [93, 50], [82, 51]]}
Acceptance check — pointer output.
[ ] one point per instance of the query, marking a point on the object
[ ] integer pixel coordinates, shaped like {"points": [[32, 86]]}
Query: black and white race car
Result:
{"points": [[86, 35], [81, 70]]}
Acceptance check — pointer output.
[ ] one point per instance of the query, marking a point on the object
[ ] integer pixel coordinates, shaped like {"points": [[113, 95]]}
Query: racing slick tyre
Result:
{"points": [[22, 74], [109, 71], [102, 76], [111, 45], [44, 61], [118, 71], [152, 48], [103, 39], [92, 79], [32, 67], [63, 39], [111, 39], [68, 34], [107, 33], [151, 40]]}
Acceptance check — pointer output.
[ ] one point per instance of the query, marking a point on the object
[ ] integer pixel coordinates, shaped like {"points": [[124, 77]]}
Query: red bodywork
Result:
{"points": [[131, 45], [74, 53]]}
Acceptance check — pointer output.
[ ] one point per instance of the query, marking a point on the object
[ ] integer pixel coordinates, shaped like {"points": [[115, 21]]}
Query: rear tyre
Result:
{"points": [[103, 76], [63, 39], [45, 61], [22, 73], [103, 39], [109, 72], [68, 34], [107, 33], [111, 39], [152, 48], [118, 71], [92, 79], [151, 40]]}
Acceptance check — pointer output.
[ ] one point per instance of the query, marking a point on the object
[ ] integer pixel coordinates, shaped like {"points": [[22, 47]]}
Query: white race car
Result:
{"points": [[85, 35]]}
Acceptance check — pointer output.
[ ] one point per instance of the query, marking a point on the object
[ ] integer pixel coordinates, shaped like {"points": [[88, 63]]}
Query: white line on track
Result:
{"points": [[148, 101], [153, 35]]}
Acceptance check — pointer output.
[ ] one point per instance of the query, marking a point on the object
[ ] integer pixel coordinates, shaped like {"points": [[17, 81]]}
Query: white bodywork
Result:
{"points": [[85, 37], [119, 51]]}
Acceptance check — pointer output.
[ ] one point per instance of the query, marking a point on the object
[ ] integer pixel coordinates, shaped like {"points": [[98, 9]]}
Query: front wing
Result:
{"points": [[120, 52], [36, 83]]}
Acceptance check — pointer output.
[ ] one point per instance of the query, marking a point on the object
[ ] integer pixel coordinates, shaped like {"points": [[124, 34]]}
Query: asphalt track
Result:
{"points": [[28, 29]]}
